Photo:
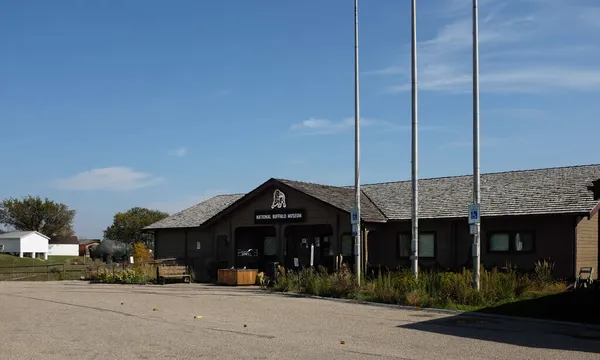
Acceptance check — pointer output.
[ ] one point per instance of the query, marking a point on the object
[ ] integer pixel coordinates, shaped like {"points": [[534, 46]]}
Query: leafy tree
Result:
{"points": [[127, 226], [34, 214], [141, 254]]}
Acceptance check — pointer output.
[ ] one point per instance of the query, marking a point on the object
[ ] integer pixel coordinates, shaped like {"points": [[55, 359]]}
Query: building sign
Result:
{"points": [[279, 211], [272, 216], [278, 200]]}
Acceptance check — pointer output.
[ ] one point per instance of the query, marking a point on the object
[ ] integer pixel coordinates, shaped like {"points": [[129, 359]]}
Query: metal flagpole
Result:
{"points": [[476, 170], [415, 149], [357, 229]]}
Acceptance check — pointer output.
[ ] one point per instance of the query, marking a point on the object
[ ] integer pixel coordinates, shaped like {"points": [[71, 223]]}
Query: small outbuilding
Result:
{"points": [[85, 244], [63, 246], [24, 243]]}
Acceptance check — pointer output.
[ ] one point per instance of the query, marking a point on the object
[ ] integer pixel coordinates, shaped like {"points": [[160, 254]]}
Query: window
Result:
{"points": [[270, 246], [426, 245], [500, 242], [328, 245], [347, 245], [511, 241]]}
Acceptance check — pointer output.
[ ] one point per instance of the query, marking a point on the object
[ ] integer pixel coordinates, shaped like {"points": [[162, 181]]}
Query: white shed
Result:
{"points": [[30, 243], [64, 246]]}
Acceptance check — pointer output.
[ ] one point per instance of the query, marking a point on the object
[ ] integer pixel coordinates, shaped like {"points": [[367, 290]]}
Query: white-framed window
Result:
{"points": [[426, 245], [511, 241]]}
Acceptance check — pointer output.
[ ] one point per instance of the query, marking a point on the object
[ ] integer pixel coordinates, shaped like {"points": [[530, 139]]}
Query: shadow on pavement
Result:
{"points": [[581, 306], [570, 306]]}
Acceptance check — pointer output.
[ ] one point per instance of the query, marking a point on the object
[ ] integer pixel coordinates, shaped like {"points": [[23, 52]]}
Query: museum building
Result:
{"points": [[526, 216]]}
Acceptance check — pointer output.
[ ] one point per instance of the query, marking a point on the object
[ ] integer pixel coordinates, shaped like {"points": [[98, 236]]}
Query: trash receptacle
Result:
{"points": [[271, 271]]}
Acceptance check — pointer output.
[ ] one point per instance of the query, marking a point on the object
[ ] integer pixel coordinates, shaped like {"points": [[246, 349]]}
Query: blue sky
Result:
{"points": [[106, 105]]}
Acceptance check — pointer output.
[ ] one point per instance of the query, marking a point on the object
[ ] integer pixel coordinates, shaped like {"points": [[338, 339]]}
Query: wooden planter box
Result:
{"points": [[237, 276]]}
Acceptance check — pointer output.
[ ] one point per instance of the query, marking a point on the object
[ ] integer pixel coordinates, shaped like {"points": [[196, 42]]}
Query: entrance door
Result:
{"points": [[299, 240]]}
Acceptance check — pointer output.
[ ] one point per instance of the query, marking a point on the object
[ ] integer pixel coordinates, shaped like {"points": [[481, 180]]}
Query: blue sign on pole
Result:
{"points": [[354, 216], [474, 214]]}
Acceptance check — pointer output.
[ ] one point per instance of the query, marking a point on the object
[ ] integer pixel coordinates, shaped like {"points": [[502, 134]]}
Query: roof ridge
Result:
{"points": [[374, 204], [483, 174], [309, 183]]}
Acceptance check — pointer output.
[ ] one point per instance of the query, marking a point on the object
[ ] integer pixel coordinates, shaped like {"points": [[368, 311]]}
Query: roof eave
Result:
{"points": [[594, 211], [381, 221]]}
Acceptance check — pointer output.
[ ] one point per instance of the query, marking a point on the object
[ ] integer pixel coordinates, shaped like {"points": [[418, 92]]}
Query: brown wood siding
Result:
{"points": [[553, 239], [316, 212], [384, 248], [170, 243], [587, 244]]}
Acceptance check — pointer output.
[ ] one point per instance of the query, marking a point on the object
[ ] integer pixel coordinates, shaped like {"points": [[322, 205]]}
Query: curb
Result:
{"points": [[442, 311]]}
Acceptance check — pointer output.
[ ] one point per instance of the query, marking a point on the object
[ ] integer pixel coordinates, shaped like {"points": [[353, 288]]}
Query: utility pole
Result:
{"points": [[476, 226], [356, 230], [415, 148]]}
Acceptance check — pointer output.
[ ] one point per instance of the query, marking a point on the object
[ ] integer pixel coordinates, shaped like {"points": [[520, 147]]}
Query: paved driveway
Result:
{"points": [[75, 320]]}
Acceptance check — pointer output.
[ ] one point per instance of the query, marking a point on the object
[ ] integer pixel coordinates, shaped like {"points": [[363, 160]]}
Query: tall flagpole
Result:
{"points": [[476, 169], [415, 149], [357, 244]]}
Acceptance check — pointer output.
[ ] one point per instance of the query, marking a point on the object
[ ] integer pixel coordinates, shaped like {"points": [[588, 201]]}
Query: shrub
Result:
{"points": [[431, 288], [140, 274], [262, 280], [417, 298], [343, 283], [543, 271], [316, 282], [141, 254], [286, 280]]}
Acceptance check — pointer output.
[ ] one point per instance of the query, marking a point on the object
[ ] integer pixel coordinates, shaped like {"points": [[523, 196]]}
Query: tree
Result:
{"points": [[34, 214], [141, 254], [127, 226]]}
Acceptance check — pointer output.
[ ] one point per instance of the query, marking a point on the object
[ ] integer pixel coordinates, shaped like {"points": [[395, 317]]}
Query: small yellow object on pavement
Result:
{"points": [[197, 317], [342, 342], [155, 309]]}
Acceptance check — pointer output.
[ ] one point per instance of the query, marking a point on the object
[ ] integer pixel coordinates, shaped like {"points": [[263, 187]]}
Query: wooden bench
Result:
{"points": [[172, 272]]}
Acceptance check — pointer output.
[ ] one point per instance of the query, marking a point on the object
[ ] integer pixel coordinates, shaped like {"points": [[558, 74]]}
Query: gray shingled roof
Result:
{"points": [[196, 215], [340, 197], [526, 192]]}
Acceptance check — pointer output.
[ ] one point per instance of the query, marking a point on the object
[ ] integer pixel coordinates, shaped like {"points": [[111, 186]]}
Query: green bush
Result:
{"points": [[119, 276], [544, 271], [430, 289]]}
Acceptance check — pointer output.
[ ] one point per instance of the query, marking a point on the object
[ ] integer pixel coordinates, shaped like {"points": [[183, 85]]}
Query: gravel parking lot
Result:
{"points": [[76, 320]]}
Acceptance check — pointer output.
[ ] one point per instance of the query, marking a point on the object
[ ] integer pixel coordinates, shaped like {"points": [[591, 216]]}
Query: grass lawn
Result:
{"points": [[9, 260], [55, 268]]}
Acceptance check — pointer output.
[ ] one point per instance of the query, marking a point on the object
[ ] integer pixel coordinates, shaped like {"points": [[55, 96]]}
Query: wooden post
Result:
{"points": [[366, 251]]}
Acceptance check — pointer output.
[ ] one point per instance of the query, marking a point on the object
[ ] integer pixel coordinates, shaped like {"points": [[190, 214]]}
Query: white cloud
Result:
{"points": [[117, 178], [314, 126], [175, 206], [321, 126], [328, 127], [524, 48], [590, 16], [179, 152]]}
